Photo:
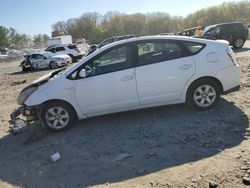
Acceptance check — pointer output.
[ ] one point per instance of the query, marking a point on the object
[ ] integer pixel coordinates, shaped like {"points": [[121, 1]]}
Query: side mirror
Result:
{"points": [[82, 73]]}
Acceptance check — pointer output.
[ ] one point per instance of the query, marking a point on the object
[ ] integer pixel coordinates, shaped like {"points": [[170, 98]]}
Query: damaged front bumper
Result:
{"points": [[29, 112]]}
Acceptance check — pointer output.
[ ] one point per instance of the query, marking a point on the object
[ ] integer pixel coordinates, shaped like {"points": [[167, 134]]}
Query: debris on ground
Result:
{"points": [[213, 184], [122, 156], [18, 82], [246, 180], [18, 126], [55, 157]]}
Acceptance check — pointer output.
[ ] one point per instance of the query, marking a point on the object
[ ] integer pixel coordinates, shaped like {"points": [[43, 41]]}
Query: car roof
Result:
{"points": [[138, 39], [59, 45], [192, 28], [228, 23], [155, 37]]}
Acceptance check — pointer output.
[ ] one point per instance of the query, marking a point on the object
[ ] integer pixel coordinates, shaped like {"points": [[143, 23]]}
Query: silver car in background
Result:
{"points": [[44, 60]]}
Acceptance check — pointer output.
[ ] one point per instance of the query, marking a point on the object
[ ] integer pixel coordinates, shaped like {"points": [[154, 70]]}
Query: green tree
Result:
{"points": [[40, 40]]}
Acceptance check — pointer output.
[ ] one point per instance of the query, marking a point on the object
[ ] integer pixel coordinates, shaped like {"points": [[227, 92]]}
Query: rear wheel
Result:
{"points": [[53, 65], [238, 43], [203, 94], [58, 116]]}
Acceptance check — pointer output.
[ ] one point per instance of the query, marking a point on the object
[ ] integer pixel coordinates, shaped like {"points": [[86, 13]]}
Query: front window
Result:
{"points": [[48, 54], [114, 60], [206, 30], [212, 31]]}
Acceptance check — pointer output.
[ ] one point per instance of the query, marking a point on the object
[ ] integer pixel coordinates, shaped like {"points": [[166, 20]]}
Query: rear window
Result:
{"points": [[194, 47], [154, 52], [72, 47]]}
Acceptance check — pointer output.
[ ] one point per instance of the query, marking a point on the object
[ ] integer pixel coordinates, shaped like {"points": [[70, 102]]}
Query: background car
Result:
{"points": [[114, 39], [94, 47], [69, 49], [44, 60], [235, 33], [189, 32], [132, 74]]}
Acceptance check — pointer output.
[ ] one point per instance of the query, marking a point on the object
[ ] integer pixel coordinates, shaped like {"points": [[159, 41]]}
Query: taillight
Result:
{"points": [[231, 56]]}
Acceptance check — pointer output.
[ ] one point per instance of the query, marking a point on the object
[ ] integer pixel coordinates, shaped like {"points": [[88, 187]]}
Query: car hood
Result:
{"points": [[44, 79], [64, 56]]}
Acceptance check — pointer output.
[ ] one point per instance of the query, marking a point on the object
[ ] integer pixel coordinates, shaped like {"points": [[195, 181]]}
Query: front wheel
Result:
{"points": [[24, 68], [58, 116], [203, 94], [53, 65]]}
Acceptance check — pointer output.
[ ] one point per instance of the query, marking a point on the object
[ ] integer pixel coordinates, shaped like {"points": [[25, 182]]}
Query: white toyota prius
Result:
{"points": [[133, 74]]}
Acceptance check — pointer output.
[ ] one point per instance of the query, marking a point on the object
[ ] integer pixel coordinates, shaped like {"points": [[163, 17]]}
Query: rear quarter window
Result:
{"points": [[193, 47]]}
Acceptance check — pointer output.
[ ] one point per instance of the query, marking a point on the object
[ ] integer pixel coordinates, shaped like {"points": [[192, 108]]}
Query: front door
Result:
{"points": [[38, 61], [109, 85]]}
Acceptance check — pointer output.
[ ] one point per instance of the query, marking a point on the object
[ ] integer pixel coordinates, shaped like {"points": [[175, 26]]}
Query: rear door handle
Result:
{"points": [[186, 66], [127, 78]]}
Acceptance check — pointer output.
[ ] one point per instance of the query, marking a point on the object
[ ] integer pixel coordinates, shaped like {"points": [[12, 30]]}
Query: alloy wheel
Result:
{"points": [[57, 117], [205, 95], [239, 43]]}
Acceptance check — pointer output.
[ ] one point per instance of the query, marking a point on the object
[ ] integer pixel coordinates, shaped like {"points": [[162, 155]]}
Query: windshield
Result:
{"points": [[207, 29], [48, 54]]}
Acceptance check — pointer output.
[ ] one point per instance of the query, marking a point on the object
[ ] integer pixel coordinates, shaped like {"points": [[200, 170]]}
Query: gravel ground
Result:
{"points": [[169, 146]]}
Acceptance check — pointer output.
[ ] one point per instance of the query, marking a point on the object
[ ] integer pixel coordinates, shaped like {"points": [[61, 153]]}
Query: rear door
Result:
{"points": [[162, 71]]}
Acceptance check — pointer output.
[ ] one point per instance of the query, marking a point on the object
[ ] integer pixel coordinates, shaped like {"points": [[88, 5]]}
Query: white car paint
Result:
{"points": [[145, 86], [163, 81], [68, 49]]}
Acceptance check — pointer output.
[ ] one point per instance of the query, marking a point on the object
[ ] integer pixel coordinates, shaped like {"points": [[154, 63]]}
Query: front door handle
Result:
{"points": [[127, 78], [186, 66]]}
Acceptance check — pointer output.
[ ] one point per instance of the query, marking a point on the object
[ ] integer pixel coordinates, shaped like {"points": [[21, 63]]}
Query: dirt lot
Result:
{"points": [[169, 146]]}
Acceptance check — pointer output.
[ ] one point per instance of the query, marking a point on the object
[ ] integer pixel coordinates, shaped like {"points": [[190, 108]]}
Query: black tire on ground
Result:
{"points": [[53, 65], [238, 43], [24, 68], [203, 94], [58, 116]]}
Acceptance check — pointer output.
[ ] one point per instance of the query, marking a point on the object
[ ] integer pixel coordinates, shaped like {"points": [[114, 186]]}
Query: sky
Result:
{"points": [[37, 16]]}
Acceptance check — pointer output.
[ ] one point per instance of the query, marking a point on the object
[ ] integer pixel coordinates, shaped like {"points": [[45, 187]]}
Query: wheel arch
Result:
{"points": [[51, 61], [209, 78], [62, 101]]}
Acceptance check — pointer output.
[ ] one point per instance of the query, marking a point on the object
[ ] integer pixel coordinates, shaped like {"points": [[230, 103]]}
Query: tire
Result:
{"points": [[203, 94], [53, 65], [58, 116], [24, 68], [238, 43]]}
